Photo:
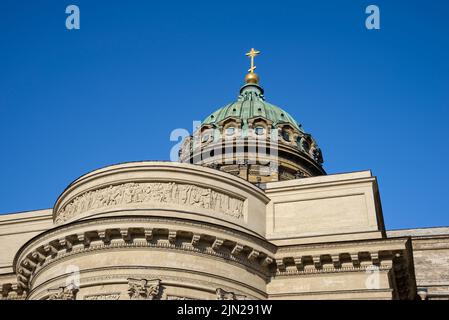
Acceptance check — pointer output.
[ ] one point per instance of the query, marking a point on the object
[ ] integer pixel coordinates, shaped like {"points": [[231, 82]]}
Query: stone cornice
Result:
{"points": [[32, 258], [318, 184], [312, 272], [25, 217], [238, 260], [60, 231], [430, 243], [396, 242]]}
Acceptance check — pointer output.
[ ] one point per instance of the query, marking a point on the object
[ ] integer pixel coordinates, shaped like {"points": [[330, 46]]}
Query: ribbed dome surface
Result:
{"points": [[251, 104]]}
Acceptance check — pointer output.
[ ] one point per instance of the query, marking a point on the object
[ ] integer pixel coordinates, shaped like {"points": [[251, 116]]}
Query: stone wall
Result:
{"points": [[431, 260]]}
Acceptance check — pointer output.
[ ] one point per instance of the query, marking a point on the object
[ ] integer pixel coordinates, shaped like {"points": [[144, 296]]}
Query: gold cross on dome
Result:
{"points": [[252, 54]]}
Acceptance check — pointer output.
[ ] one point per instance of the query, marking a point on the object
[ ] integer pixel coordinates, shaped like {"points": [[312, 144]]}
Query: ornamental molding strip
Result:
{"points": [[170, 297], [103, 296], [132, 225], [161, 193]]}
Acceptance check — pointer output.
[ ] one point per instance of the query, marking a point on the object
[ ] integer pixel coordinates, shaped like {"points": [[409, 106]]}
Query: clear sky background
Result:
{"points": [[113, 91]]}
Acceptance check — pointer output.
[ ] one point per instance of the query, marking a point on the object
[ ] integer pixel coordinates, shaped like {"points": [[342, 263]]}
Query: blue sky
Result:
{"points": [[74, 101]]}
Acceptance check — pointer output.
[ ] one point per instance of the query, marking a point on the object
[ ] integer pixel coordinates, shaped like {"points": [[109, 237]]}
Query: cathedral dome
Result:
{"points": [[254, 139]]}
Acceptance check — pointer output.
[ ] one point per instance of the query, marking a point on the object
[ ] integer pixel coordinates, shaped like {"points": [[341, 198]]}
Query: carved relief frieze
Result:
{"points": [[187, 195]]}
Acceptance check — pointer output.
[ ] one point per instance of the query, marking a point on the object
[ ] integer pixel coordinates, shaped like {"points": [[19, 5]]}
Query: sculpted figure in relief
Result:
{"points": [[63, 293], [142, 289], [226, 295]]}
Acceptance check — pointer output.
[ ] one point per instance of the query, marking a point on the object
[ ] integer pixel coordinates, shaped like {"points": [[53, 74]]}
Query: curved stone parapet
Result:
{"points": [[151, 230], [163, 188]]}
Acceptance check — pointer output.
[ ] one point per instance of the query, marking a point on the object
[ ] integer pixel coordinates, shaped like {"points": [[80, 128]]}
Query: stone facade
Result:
{"points": [[172, 231]]}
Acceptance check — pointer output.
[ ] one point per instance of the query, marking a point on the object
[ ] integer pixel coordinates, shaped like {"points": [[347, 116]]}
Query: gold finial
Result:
{"points": [[252, 77]]}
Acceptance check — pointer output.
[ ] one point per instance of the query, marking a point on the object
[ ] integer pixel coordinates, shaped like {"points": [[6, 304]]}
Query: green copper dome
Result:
{"points": [[251, 104], [253, 139]]}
